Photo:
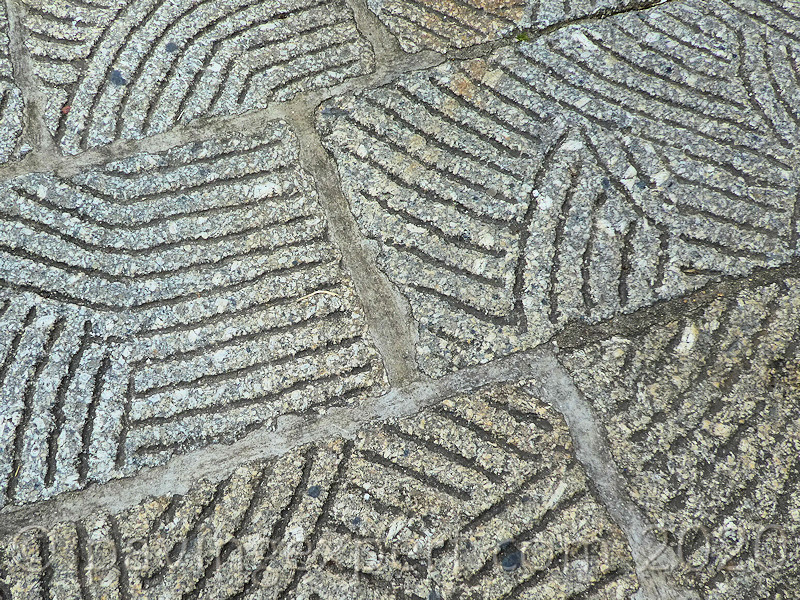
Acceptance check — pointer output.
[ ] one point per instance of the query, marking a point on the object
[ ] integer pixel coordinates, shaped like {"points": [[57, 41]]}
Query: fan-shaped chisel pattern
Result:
{"points": [[477, 498], [444, 24], [592, 172], [703, 416], [165, 302], [128, 69]]}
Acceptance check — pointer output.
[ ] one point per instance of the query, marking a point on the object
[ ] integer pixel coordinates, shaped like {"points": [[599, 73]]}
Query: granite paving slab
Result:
{"points": [[591, 172], [163, 302], [703, 418], [128, 69], [478, 497]]}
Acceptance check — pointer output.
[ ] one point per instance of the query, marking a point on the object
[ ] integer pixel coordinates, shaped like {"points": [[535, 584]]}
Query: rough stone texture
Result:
{"points": [[11, 102], [239, 239], [592, 172], [444, 24], [479, 495], [703, 418], [126, 69], [163, 302]]}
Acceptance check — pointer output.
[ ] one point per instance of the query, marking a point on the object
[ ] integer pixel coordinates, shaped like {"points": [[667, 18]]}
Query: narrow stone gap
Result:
{"points": [[384, 42], [577, 335], [35, 132], [653, 560], [386, 310], [216, 462], [530, 34]]}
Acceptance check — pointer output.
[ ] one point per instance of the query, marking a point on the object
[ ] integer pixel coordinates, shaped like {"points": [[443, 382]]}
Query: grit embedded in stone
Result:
{"points": [[592, 172], [164, 302], [703, 418], [11, 102], [444, 24], [478, 496], [128, 69]]}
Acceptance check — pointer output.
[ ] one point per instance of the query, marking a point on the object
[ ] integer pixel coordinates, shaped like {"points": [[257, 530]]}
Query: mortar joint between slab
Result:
{"points": [[577, 335], [384, 43], [386, 310], [530, 34], [557, 388], [34, 127], [216, 462]]}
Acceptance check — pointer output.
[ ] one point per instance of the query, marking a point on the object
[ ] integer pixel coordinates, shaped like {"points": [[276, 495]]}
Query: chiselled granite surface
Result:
{"points": [[703, 418], [413, 299], [128, 69], [164, 302], [479, 497], [592, 172]]}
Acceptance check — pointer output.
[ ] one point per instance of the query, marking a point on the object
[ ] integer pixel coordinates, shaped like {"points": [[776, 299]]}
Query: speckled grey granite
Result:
{"points": [[703, 418], [127, 69], [11, 102], [592, 172], [242, 358], [479, 496], [442, 25], [165, 302]]}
